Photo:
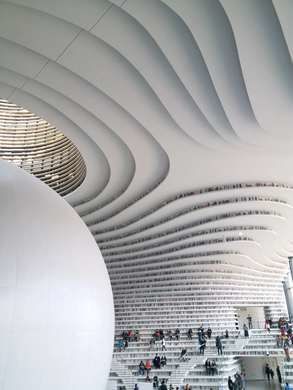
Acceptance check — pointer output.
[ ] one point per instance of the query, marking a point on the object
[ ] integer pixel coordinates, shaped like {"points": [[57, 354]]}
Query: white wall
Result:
{"points": [[145, 386], [112, 385], [56, 307]]}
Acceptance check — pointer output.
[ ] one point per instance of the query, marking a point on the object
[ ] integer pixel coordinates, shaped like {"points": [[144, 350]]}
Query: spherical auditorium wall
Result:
{"points": [[56, 307]]}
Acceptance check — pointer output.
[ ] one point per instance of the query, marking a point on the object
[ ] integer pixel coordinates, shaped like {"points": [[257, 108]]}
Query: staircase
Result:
{"points": [[124, 376], [181, 372]]}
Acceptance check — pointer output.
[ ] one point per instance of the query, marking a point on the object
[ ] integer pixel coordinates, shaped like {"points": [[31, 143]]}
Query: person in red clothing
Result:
{"points": [[148, 366]]}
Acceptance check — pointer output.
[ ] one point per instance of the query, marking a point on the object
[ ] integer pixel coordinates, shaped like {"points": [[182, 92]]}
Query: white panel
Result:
{"points": [[47, 35], [55, 297], [83, 14]]}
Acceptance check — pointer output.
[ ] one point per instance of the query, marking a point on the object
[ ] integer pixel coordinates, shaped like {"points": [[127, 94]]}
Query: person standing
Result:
{"points": [[209, 332], [272, 374], [267, 371], [287, 353], [163, 386], [163, 344], [219, 345], [189, 333], [245, 328], [243, 380], [279, 375], [249, 319], [230, 383], [202, 346]]}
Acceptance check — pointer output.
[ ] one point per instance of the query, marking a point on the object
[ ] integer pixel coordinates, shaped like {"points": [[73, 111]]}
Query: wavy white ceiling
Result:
{"points": [[167, 101]]}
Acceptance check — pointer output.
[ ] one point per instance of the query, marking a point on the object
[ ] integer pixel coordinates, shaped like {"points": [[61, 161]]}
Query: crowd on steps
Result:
{"points": [[163, 386], [156, 368]]}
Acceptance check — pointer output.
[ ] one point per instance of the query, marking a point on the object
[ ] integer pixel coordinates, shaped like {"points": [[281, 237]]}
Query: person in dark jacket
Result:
{"points": [[209, 332], [230, 384], [219, 345], [267, 371], [163, 386], [279, 374]]}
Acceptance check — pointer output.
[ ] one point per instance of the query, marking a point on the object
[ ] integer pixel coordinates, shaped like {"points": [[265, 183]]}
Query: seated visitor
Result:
{"points": [[183, 354], [130, 335], [163, 361], [156, 334], [169, 334], [157, 362], [187, 387], [141, 368], [213, 368], [148, 366], [136, 335], [152, 342], [120, 345]]}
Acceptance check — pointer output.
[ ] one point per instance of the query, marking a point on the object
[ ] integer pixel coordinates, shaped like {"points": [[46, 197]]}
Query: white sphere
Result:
{"points": [[56, 304]]}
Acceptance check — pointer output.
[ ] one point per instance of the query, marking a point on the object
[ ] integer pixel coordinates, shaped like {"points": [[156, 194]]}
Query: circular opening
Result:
{"points": [[33, 144]]}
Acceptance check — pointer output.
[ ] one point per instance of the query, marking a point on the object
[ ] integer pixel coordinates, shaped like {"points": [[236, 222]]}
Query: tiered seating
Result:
{"points": [[140, 350], [262, 342], [198, 378], [192, 371]]}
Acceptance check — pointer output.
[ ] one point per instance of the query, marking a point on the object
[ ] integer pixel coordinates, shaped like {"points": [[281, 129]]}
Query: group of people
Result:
{"points": [[175, 335], [125, 337], [159, 362], [211, 367], [142, 367], [159, 386], [130, 335], [238, 383], [158, 334], [270, 374], [203, 336]]}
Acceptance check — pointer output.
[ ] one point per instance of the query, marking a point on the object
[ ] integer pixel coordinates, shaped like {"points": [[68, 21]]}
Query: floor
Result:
{"points": [[262, 385]]}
